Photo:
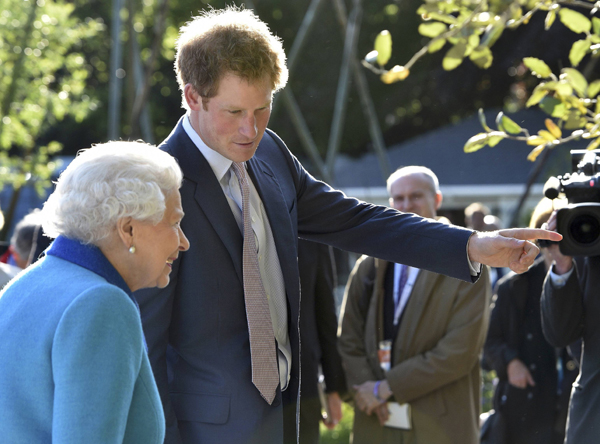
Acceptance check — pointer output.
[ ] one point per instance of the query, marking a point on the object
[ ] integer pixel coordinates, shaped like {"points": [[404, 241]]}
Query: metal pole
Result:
{"points": [[343, 86], [299, 41], [115, 86], [366, 101], [144, 118], [304, 133]]}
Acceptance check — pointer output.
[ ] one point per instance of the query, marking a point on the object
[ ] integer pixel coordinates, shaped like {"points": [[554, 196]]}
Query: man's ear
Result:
{"points": [[126, 230], [438, 200], [192, 97]]}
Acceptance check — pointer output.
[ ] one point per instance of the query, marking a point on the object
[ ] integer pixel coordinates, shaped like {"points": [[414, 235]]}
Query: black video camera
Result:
{"points": [[579, 222]]}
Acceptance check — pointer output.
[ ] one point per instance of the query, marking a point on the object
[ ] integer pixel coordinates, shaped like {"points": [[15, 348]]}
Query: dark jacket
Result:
{"points": [[570, 313], [536, 414], [196, 327], [318, 328]]}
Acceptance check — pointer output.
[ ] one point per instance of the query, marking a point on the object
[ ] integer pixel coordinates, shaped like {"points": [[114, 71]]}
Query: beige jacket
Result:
{"points": [[436, 354]]}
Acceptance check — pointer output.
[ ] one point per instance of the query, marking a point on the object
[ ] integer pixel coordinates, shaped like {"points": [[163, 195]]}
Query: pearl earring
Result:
{"points": [[132, 249]]}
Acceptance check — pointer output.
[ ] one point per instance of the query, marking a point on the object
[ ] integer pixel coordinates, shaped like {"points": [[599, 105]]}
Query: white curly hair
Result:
{"points": [[106, 183]]}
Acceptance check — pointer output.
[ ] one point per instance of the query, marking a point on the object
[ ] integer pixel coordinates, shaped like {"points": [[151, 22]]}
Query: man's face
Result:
{"points": [[415, 193], [233, 121]]}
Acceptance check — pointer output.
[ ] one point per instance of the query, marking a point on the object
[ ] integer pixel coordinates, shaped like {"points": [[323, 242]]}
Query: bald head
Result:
{"points": [[415, 189]]}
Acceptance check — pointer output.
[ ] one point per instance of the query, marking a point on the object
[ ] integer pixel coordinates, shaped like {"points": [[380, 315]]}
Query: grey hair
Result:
{"points": [[413, 169], [106, 183]]}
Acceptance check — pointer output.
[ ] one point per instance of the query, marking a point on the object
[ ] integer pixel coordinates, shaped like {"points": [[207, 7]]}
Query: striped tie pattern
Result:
{"points": [[265, 373]]}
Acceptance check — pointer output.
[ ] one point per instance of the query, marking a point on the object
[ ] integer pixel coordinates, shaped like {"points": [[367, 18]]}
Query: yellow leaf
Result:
{"points": [[535, 140], [554, 130], [546, 135], [395, 74], [535, 153]]}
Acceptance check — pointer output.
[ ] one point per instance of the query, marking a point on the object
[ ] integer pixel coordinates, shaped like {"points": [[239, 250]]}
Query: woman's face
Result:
{"points": [[157, 246]]}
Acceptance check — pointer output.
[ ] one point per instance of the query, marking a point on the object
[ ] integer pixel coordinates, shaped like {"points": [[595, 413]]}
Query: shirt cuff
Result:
{"points": [[559, 280], [474, 267]]}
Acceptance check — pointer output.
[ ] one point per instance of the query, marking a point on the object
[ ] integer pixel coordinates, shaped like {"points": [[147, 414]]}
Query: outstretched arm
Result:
{"points": [[508, 248]]}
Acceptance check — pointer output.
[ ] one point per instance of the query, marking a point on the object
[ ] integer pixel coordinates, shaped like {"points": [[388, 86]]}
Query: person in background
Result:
{"points": [[318, 328], [570, 310], [7, 271], [74, 364], [534, 378], [23, 242], [413, 337], [223, 337], [475, 216]]}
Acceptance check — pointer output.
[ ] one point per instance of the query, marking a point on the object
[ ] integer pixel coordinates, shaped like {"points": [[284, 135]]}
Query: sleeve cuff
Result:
{"points": [[474, 267], [559, 280]]}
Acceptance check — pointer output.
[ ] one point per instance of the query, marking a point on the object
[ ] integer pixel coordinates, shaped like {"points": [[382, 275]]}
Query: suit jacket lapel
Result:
{"points": [[209, 194], [272, 198], [413, 312]]}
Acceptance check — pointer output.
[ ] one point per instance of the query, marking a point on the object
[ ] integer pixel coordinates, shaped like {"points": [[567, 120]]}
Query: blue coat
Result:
{"points": [[196, 328], [73, 368]]}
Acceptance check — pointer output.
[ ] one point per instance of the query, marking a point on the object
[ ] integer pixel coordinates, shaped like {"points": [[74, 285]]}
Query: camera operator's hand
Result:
{"points": [[518, 374], [562, 263], [508, 248]]}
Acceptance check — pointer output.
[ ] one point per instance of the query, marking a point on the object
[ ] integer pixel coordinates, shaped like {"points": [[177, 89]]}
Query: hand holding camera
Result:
{"points": [[562, 263]]}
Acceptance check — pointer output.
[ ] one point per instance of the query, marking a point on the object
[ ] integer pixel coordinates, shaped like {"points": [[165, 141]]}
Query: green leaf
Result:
{"points": [[432, 29], [575, 21], [499, 121], [383, 46], [578, 51], [593, 89], [510, 126], [550, 17], [538, 67], [538, 94], [482, 57], [484, 124], [576, 79], [563, 88], [476, 142], [596, 25], [454, 56], [494, 140], [473, 41], [594, 144], [436, 45], [553, 107], [436, 15], [573, 120], [492, 34]]}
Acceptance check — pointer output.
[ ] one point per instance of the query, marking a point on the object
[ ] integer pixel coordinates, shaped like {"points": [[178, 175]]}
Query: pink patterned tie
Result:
{"points": [[265, 373]]}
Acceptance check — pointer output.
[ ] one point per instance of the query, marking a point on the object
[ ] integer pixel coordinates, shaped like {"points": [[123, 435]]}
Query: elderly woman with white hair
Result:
{"points": [[74, 365]]}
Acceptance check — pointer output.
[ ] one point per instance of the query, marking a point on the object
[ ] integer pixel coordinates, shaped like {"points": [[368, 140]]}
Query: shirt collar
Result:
{"points": [[89, 257], [218, 163]]}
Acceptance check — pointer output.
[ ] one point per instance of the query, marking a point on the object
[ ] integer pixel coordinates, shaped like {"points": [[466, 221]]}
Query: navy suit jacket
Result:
{"points": [[196, 327]]}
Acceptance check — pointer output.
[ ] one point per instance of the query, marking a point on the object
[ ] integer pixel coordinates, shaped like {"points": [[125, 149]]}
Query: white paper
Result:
{"points": [[399, 416]]}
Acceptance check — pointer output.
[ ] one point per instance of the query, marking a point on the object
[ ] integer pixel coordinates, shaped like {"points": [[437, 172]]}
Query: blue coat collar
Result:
{"points": [[89, 257]]}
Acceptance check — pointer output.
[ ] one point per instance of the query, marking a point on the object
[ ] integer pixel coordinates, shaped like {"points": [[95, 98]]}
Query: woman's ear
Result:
{"points": [[126, 230]]}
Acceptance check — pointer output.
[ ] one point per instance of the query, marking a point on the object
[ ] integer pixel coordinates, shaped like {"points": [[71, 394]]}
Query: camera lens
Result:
{"points": [[585, 229]]}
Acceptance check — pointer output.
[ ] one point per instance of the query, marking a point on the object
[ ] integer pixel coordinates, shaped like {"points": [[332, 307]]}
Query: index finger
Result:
{"points": [[531, 233]]}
